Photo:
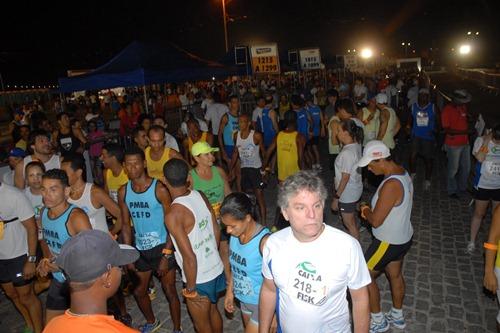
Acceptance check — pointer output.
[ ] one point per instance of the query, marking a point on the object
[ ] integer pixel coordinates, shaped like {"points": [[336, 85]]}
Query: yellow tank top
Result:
{"points": [[388, 138], [371, 129], [288, 158], [155, 168], [114, 183], [202, 139]]}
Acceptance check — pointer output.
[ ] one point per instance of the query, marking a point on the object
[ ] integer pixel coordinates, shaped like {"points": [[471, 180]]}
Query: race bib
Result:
{"points": [[147, 240], [308, 285], [492, 167], [422, 119], [242, 285]]}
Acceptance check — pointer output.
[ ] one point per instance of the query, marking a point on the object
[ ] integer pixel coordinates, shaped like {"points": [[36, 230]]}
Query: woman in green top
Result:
{"points": [[208, 178]]}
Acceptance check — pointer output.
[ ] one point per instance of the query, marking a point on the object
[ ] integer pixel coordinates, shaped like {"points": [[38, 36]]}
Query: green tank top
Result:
{"points": [[213, 188]]}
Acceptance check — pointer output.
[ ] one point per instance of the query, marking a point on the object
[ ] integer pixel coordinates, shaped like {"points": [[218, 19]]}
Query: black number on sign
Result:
{"points": [[296, 284]]}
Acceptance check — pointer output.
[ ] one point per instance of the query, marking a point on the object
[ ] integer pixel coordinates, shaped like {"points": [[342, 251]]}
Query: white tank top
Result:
{"points": [[397, 228], [97, 217], [202, 239], [53, 163], [249, 151]]}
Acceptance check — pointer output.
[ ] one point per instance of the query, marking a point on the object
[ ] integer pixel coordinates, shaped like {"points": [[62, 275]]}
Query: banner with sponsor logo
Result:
{"points": [[265, 59], [351, 62], [310, 59]]}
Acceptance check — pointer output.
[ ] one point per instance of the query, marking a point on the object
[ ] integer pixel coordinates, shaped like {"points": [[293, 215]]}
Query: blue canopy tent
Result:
{"points": [[142, 63]]}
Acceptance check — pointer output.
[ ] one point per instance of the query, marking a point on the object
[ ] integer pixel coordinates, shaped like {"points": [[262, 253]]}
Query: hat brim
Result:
{"points": [[364, 161], [127, 255], [211, 150]]}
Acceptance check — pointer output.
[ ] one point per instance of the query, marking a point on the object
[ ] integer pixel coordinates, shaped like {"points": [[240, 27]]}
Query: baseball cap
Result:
{"points": [[202, 147], [90, 253], [17, 152], [381, 98], [374, 150]]}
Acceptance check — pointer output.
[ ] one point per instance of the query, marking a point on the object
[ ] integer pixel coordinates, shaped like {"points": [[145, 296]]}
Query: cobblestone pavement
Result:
{"points": [[444, 290]]}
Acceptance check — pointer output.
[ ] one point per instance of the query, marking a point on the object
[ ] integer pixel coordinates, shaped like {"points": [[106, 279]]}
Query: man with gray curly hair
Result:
{"points": [[309, 266]]}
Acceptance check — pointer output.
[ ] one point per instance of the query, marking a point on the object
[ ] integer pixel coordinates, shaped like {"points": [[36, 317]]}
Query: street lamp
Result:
{"points": [[406, 44], [366, 53], [225, 24], [464, 49]]}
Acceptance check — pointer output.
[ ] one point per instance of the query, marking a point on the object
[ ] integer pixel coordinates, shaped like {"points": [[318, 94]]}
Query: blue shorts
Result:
{"points": [[212, 288], [229, 151]]}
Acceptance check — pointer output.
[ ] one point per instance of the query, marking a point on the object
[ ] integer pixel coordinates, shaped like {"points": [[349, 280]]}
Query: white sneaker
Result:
{"points": [[470, 247]]}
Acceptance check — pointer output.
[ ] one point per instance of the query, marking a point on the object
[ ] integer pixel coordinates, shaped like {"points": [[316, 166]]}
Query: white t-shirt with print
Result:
{"points": [[15, 238], [346, 163], [313, 277], [214, 115]]}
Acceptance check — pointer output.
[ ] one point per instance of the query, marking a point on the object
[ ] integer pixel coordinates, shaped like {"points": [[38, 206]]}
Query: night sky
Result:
{"points": [[42, 39]]}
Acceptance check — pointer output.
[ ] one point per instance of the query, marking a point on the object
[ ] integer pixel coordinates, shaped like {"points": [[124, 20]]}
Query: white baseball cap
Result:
{"points": [[374, 150], [381, 98]]}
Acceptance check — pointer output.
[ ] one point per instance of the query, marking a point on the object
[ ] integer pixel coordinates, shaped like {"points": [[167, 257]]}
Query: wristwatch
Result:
{"points": [[32, 259]]}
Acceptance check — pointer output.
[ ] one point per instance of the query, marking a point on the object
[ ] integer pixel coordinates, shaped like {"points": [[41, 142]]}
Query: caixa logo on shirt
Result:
{"points": [[307, 266], [203, 224]]}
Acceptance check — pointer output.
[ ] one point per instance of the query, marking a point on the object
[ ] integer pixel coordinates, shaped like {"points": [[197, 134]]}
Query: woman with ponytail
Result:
{"points": [[348, 183]]}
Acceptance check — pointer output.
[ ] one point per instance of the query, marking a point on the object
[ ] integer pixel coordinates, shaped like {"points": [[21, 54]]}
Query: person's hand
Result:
{"points": [[229, 302], [29, 270], [162, 266], [490, 282], [335, 204], [131, 268], [45, 266]]}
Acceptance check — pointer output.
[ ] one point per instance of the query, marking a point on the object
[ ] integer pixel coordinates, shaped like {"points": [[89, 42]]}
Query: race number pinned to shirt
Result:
{"points": [[310, 59], [265, 59], [307, 284], [422, 119]]}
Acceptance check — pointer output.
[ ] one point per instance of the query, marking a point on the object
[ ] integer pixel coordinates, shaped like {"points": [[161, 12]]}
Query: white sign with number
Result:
{"points": [[350, 61], [310, 59], [265, 59]]}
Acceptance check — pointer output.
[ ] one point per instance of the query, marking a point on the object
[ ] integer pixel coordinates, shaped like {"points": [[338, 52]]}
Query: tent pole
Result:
{"points": [[145, 99]]}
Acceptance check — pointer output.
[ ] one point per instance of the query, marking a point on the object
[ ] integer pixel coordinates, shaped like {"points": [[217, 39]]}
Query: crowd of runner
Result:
{"points": [[190, 201]]}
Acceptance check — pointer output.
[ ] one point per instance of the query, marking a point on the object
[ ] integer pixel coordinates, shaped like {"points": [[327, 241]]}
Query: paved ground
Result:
{"points": [[443, 284]]}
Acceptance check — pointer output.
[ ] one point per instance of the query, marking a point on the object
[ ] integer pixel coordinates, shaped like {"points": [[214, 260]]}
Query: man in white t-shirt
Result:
{"points": [[309, 266], [18, 240], [360, 91], [214, 114]]}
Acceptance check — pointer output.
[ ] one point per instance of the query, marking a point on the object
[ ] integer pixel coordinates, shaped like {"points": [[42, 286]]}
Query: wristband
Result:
{"points": [[166, 251], [189, 294], [489, 246]]}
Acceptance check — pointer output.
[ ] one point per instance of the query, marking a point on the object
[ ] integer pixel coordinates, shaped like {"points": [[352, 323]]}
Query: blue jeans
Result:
{"points": [[458, 167]]}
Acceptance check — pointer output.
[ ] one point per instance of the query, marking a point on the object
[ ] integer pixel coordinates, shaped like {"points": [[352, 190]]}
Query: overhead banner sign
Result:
{"points": [[265, 59], [310, 59]]}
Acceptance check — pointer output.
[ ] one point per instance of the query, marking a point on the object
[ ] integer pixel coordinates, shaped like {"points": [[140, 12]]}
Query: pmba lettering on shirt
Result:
{"points": [[139, 209]]}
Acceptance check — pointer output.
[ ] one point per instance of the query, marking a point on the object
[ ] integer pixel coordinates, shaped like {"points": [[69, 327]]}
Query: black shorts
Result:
{"points": [[11, 270], [347, 207], [379, 254], [424, 148], [58, 296], [149, 260], [251, 179], [484, 194]]}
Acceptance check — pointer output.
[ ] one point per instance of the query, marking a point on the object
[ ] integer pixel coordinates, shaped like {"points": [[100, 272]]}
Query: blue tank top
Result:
{"points": [[303, 123], [146, 212], [267, 127], [231, 127], [424, 120], [246, 266], [55, 234], [315, 113]]}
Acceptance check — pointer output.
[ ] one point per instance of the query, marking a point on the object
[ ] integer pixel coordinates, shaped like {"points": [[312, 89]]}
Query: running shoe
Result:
{"points": [[470, 247], [398, 322], [378, 327], [150, 328]]}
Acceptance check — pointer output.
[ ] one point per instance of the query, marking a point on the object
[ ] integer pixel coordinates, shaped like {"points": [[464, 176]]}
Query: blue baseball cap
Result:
{"points": [[17, 152]]}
